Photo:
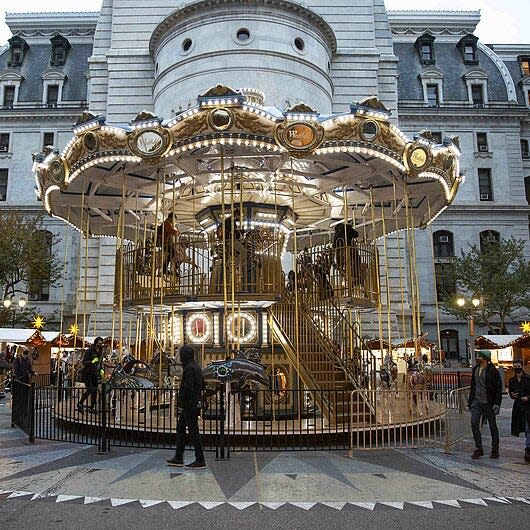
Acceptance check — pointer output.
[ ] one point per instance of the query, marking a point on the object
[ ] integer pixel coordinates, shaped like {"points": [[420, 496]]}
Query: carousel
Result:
{"points": [[267, 238]]}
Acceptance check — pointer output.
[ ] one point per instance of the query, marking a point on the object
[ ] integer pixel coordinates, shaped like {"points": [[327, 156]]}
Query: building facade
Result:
{"points": [[427, 68]]}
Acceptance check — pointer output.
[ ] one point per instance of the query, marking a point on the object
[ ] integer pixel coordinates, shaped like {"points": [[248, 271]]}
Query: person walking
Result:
{"points": [[190, 399], [91, 362], [519, 391], [22, 367], [484, 402]]}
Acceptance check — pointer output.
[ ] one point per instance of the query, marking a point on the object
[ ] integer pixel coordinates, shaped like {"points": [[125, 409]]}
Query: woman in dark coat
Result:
{"points": [[519, 390]]}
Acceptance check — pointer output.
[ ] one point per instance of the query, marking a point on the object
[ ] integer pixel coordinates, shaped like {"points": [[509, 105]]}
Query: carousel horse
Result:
{"points": [[240, 369]]}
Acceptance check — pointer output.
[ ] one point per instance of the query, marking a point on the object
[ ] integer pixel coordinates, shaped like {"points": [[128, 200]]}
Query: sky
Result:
{"points": [[503, 22]]}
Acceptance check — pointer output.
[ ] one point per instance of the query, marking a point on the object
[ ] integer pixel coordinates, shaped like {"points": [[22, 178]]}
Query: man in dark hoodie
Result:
{"points": [[485, 398], [91, 362], [190, 399]]}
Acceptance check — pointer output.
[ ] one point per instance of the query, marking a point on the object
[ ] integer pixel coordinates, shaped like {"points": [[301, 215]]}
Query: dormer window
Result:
{"points": [[425, 47], [525, 65], [468, 49], [17, 50], [60, 47]]}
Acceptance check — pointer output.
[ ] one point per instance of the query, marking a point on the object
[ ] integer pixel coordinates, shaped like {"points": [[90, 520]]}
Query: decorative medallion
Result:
{"points": [[220, 119], [299, 137], [368, 129], [241, 327], [91, 142], [150, 143], [58, 171], [198, 328], [416, 157]]}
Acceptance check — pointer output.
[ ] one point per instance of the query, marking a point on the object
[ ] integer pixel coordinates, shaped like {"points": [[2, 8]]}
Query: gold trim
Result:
{"points": [[165, 143], [218, 112], [362, 123], [299, 137], [416, 158]]}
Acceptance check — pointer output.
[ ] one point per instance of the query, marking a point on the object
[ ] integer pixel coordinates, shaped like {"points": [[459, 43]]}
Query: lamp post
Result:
{"points": [[8, 302], [471, 307]]}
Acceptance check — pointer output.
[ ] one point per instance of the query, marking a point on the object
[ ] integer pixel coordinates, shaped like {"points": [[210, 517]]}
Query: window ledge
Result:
{"points": [[483, 154]]}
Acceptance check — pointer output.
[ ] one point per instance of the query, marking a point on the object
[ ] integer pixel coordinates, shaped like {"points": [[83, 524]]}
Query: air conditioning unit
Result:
{"points": [[525, 154], [33, 296], [483, 148], [443, 239], [3, 148], [491, 239], [484, 196]]}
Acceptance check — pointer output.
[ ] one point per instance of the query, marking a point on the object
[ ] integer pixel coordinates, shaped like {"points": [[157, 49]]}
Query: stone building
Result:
{"points": [[427, 68]]}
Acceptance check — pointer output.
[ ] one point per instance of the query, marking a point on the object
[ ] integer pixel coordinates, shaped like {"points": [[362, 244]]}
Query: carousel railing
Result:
{"points": [[194, 265]]}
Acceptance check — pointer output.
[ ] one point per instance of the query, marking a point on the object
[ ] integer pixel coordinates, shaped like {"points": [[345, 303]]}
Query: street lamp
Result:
{"points": [[471, 306], [8, 302]]}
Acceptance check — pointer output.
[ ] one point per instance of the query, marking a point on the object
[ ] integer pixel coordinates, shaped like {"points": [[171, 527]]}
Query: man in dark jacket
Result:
{"points": [[22, 367], [190, 400], [91, 363], [485, 399], [519, 390]]}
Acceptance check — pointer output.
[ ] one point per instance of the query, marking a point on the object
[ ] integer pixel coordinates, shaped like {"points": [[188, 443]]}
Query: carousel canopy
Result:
{"points": [[111, 179]]}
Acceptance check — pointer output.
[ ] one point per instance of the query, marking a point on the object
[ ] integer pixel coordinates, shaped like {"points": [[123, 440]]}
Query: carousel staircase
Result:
{"points": [[318, 361]]}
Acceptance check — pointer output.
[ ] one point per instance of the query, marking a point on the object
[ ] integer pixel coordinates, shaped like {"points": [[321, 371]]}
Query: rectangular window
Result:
{"points": [[477, 95], [9, 96], [433, 98], [525, 67], [445, 283], [4, 142], [426, 52], [48, 140], [469, 52], [484, 184], [482, 142], [524, 149], [52, 95], [3, 184], [437, 137]]}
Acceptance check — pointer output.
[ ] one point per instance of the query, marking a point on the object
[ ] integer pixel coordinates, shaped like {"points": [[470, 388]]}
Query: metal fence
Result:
{"points": [[249, 420], [411, 418]]}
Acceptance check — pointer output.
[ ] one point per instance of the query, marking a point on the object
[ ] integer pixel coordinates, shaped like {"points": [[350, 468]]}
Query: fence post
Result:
{"points": [[104, 444], [458, 379], [31, 412], [220, 444]]}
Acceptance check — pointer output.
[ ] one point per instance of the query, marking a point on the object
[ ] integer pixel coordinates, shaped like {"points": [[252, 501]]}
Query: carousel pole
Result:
{"points": [[296, 298], [232, 247], [61, 324], [223, 232], [122, 256], [379, 305], [436, 304], [170, 244], [387, 278], [150, 327], [400, 265]]}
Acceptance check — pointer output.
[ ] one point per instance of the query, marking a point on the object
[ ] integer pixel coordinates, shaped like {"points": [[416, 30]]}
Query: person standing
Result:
{"points": [[190, 399], [22, 367], [484, 402], [89, 374], [519, 391]]}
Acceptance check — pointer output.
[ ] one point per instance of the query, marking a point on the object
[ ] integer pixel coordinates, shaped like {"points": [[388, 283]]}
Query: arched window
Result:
{"points": [[60, 47], [450, 345], [443, 243], [489, 237]]}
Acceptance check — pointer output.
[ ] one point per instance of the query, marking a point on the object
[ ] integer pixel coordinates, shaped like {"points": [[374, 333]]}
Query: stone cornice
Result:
{"points": [[203, 5], [47, 24], [435, 22], [501, 113]]}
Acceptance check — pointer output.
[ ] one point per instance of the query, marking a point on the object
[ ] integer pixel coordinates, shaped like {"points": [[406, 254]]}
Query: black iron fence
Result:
{"points": [[235, 420]]}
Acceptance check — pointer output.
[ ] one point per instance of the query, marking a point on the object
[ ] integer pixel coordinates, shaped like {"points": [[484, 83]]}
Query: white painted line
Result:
{"points": [[90, 500], [336, 505], [272, 505], [20, 494], [210, 504], [176, 505], [396, 505], [303, 505], [38, 496], [120, 502], [148, 503], [240, 505], [367, 505], [64, 498], [422, 504], [454, 504], [480, 502], [498, 499]]}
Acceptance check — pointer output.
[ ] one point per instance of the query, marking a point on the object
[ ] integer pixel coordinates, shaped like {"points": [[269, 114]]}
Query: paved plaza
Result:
{"points": [[52, 478]]}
